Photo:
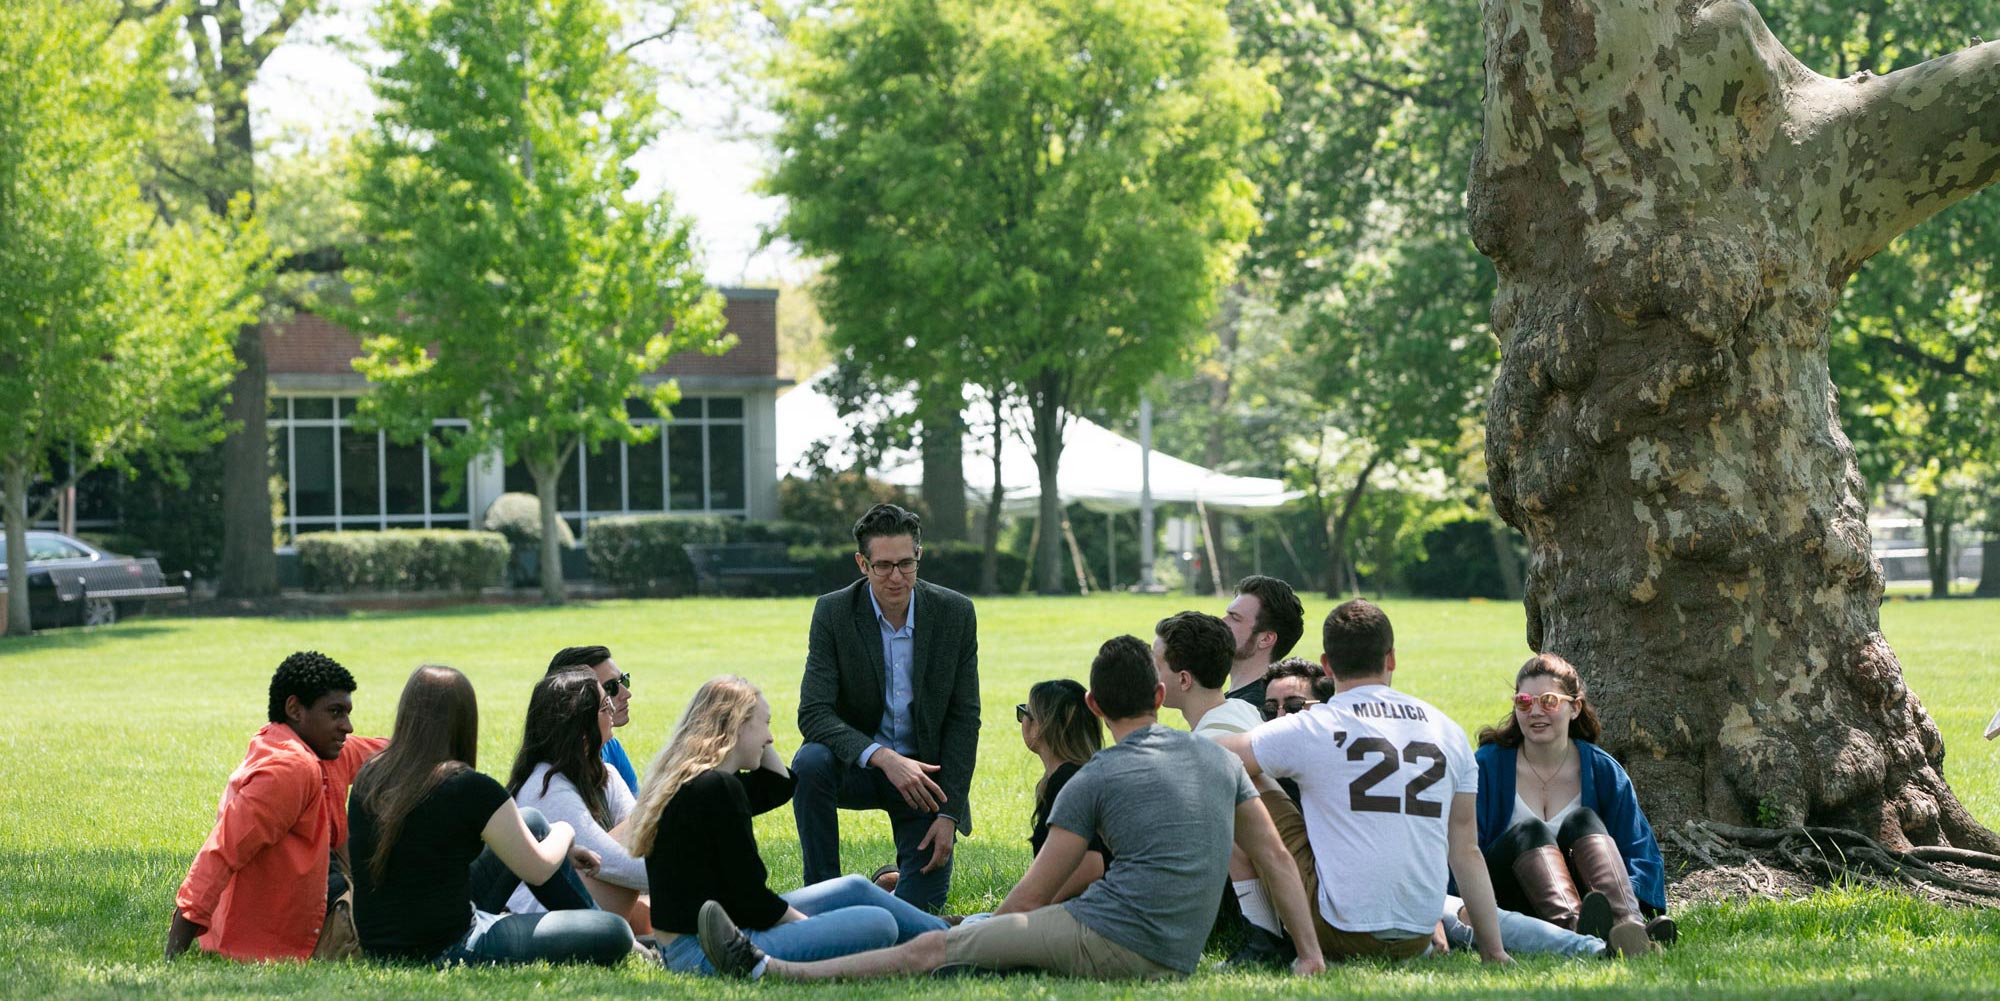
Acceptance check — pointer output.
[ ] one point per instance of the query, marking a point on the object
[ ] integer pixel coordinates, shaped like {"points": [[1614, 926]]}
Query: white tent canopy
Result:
{"points": [[1099, 468]]}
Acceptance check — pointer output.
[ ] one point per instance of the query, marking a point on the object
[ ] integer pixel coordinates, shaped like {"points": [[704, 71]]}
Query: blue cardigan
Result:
{"points": [[1606, 790]]}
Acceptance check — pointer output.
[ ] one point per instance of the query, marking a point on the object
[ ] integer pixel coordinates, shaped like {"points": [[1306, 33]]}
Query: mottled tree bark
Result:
{"points": [[942, 413], [1673, 203]]}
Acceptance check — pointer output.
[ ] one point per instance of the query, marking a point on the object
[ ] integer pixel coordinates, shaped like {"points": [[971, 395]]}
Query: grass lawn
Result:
{"points": [[116, 743]]}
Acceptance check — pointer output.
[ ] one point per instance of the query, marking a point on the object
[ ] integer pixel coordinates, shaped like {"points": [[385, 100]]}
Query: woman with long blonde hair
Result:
{"points": [[693, 826]]}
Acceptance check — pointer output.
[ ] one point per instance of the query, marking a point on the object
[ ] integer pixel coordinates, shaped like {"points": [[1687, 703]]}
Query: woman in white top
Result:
{"points": [[560, 772]]}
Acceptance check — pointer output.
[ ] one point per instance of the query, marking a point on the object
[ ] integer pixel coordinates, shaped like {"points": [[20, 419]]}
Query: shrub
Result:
{"points": [[642, 552], [518, 518], [413, 560]]}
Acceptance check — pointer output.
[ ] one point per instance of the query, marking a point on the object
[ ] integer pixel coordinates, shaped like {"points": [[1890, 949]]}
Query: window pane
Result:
{"points": [[403, 476], [438, 487], [645, 476], [281, 441], [730, 407], [347, 406], [640, 410], [274, 407], [725, 467], [689, 408], [314, 468], [684, 461], [517, 479], [603, 477], [312, 408], [567, 485], [360, 473]]}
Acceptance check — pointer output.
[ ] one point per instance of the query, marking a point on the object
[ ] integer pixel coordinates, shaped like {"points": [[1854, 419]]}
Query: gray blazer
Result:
{"points": [[840, 697]]}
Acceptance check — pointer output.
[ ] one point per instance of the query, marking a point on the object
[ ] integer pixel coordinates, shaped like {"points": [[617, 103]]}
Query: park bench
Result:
{"points": [[743, 567]]}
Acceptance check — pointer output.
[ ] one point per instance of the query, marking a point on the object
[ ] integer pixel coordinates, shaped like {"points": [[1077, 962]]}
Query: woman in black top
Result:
{"points": [[693, 825], [437, 848], [1057, 724]]}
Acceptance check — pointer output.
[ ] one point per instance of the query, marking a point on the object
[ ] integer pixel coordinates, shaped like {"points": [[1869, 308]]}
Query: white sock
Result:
{"points": [[1256, 906]]}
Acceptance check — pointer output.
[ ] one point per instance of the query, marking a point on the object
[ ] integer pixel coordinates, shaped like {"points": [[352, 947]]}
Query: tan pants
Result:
{"points": [[1337, 944], [1047, 939]]}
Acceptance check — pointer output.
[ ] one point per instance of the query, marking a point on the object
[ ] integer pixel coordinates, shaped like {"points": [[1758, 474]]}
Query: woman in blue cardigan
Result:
{"points": [[1563, 834]]}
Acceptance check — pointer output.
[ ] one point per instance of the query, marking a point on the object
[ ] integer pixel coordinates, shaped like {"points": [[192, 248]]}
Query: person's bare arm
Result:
{"points": [[1258, 838], [1051, 869], [534, 861], [1468, 866], [1088, 871], [1239, 745]]}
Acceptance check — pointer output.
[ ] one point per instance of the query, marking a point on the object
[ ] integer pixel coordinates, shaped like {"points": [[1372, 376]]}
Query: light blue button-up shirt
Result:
{"points": [[899, 691]]}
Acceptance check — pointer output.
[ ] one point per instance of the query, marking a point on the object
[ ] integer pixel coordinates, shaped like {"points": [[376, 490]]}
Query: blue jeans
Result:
{"points": [[572, 931], [843, 916], [823, 787], [1521, 934]]}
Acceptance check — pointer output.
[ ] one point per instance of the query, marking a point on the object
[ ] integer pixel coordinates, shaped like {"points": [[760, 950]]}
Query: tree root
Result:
{"points": [[1834, 856]]}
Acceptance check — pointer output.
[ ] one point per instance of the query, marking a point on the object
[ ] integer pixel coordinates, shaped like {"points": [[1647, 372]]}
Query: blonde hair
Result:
{"points": [[703, 739]]}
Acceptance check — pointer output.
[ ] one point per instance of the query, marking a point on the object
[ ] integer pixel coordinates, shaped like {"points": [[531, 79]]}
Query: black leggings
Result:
{"points": [[1534, 833]]}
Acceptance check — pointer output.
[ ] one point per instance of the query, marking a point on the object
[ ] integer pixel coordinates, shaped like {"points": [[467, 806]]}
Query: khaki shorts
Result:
{"points": [[1336, 943], [1047, 939]]}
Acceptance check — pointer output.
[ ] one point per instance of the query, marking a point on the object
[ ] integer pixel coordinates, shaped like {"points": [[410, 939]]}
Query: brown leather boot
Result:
{"points": [[1600, 869], [1545, 879]]}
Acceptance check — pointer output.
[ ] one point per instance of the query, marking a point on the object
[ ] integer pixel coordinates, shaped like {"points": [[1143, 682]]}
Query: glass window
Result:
{"points": [[403, 478], [604, 477], [360, 473], [312, 483], [684, 467], [517, 480], [645, 484], [347, 405], [312, 408], [725, 467], [640, 410], [568, 484], [689, 408], [725, 408]]}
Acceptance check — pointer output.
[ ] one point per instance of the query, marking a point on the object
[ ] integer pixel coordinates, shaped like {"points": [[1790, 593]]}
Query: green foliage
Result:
{"points": [[1459, 562], [402, 560], [507, 277], [1040, 199], [642, 553], [115, 325], [834, 501], [949, 564]]}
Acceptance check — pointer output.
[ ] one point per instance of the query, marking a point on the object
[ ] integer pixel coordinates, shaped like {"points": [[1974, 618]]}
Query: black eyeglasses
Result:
{"points": [[1021, 713], [611, 687], [1296, 704], [882, 568]]}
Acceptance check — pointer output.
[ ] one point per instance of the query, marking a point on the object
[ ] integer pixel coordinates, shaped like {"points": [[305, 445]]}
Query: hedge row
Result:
{"points": [[642, 553], [402, 560]]}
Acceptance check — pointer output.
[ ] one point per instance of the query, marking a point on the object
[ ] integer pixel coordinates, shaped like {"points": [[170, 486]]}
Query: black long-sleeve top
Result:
{"points": [[705, 849]]}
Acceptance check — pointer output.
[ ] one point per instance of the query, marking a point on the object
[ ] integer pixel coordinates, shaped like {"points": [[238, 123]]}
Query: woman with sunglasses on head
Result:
{"points": [[692, 825], [438, 848], [560, 770], [1563, 834]]}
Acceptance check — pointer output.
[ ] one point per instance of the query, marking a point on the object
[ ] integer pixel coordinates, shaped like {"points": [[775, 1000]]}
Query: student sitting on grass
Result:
{"points": [[693, 827], [560, 771], [1164, 801], [259, 887], [1058, 726], [438, 848], [1562, 831]]}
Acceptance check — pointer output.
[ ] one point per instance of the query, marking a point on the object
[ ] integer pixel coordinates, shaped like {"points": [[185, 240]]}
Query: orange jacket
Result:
{"points": [[259, 883]]}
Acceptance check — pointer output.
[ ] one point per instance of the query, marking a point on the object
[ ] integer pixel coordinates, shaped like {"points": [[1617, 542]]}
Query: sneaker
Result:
{"points": [[1261, 950], [1663, 930], [727, 948], [1594, 917]]}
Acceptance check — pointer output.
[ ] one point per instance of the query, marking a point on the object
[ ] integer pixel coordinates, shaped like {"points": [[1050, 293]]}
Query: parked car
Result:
{"points": [[71, 582]]}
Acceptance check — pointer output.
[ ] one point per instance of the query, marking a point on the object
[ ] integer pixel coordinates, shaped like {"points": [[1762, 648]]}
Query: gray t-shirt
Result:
{"points": [[1164, 802]]}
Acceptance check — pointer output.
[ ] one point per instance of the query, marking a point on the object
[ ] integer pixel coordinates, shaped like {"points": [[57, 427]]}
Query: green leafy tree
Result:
{"points": [[115, 325], [508, 277], [1038, 198]]}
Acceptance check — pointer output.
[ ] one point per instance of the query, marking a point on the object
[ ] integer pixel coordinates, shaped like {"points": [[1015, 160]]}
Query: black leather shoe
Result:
{"points": [[1261, 949], [728, 950], [1663, 930]]}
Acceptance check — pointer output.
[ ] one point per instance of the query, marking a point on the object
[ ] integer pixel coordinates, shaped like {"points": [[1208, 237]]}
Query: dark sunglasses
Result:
{"points": [[611, 687], [1021, 713], [1296, 704]]}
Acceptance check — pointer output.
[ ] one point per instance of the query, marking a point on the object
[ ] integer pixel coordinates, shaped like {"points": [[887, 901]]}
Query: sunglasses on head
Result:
{"points": [[1547, 700], [612, 687], [1296, 704], [1021, 713]]}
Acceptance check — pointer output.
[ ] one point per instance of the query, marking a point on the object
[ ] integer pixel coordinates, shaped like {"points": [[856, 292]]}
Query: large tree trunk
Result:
{"points": [[14, 509], [545, 491], [989, 561], [1673, 204], [1937, 545], [1989, 570], [249, 568], [942, 413], [1339, 560], [1048, 432]]}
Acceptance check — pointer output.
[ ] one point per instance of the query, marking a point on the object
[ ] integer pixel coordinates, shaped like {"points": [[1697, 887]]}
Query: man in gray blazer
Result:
{"points": [[889, 709]]}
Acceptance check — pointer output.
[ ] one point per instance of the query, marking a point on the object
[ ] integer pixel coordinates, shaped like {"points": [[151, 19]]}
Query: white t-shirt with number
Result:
{"points": [[1376, 770]]}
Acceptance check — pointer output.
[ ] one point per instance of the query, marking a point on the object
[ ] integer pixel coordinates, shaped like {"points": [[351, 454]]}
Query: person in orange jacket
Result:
{"points": [[258, 888]]}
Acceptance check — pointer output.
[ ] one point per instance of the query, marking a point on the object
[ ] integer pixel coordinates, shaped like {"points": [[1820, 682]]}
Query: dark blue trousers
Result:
{"points": [[823, 787]]}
